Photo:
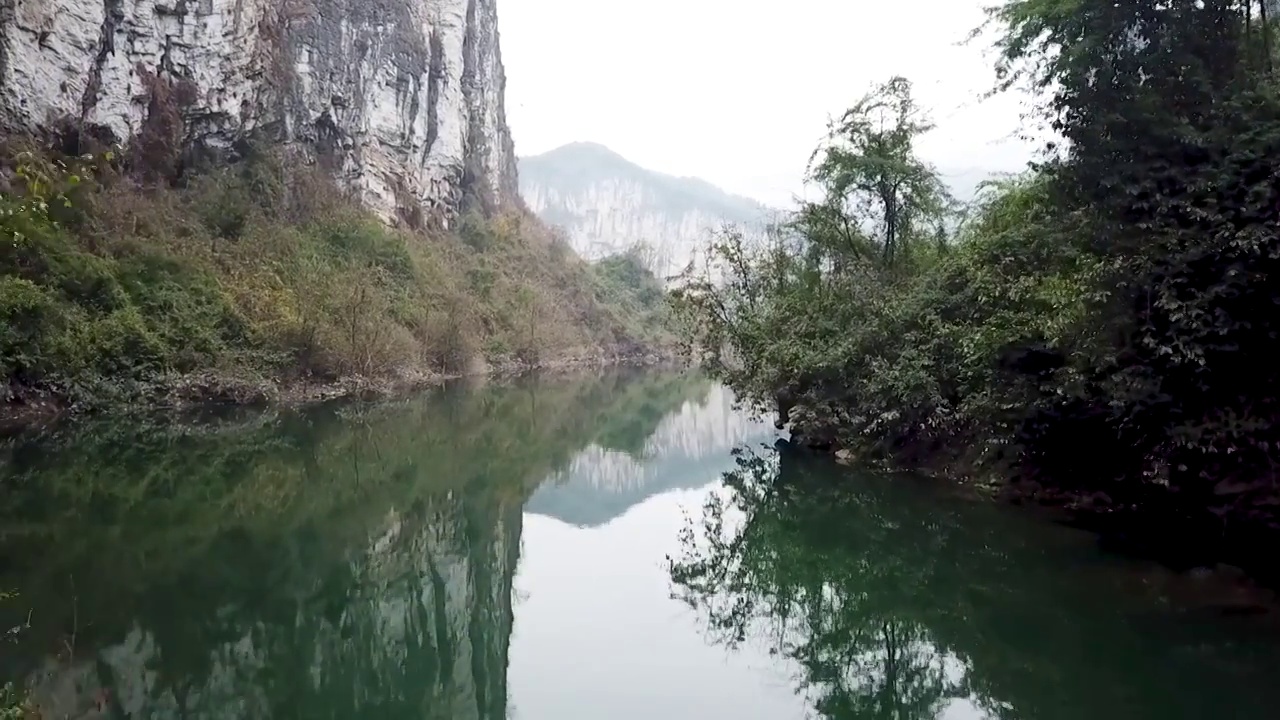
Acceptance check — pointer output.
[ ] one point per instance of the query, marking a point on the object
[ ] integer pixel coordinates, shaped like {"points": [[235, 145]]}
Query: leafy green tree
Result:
{"points": [[879, 194], [1171, 113], [1119, 297]]}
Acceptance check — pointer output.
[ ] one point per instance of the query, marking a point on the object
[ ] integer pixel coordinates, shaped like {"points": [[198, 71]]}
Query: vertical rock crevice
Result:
{"points": [[112, 16], [489, 175], [435, 77]]}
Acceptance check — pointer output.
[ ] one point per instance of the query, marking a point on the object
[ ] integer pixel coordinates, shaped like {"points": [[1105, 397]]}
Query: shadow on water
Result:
{"points": [[893, 602], [347, 561]]}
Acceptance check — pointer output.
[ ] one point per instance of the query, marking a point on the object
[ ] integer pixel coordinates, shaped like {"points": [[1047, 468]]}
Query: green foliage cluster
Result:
{"points": [[627, 283], [1105, 322], [73, 318], [263, 269]]}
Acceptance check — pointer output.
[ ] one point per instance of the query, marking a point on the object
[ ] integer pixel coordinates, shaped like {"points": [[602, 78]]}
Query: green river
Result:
{"points": [[608, 547]]}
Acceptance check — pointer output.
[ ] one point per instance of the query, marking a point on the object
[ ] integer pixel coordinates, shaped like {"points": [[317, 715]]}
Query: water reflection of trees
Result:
{"points": [[759, 574], [344, 561], [892, 604], [119, 503]]}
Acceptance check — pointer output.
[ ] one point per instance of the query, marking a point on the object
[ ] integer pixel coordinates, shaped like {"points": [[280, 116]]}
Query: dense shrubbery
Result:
{"points": [[1104, 323], [627, 284], [263, 269]]}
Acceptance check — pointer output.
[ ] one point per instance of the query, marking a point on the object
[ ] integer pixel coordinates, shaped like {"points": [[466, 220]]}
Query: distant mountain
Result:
{"points": [[608, 204]]}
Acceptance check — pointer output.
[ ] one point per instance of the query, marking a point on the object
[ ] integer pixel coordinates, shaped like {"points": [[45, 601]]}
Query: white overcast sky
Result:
{"points": [[738, 92]]}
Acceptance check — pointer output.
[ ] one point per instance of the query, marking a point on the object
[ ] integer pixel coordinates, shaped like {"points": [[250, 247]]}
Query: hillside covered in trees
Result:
{"points": [[124, 281], [1100, 331]]}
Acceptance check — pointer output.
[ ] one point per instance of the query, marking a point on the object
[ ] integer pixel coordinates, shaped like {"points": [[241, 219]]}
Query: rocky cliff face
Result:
{"points": [[401, 99], [607, 205]]}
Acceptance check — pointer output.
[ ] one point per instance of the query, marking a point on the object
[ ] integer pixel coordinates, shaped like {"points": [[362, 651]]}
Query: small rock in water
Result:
{"points": [[844, 456]]}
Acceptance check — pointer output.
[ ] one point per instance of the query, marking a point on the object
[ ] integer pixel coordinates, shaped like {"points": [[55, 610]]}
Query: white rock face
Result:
{"points": [[608, 205], [613, 215], [401, 99]]}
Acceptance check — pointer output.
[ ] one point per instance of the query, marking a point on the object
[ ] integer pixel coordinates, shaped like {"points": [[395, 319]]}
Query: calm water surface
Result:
{"points": [[620, 546]]}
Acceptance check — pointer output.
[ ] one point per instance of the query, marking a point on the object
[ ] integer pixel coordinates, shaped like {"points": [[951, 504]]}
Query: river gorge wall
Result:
{"points": [[400, 100]]}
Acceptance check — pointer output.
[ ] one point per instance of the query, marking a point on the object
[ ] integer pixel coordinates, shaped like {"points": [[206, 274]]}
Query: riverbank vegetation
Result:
{"points": [[1098, 331], [115, 286]]}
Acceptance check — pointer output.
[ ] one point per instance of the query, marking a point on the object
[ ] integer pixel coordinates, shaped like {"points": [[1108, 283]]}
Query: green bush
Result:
{"points": [[30, 316]]}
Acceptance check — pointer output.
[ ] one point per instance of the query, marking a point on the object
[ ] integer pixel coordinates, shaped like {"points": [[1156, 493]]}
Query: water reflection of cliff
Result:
{"points": [[688, 449], [344, 562], [413, 624]]}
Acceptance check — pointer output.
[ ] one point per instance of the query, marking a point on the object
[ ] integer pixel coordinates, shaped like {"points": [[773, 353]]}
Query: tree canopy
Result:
{"points": [[1102, 324]]}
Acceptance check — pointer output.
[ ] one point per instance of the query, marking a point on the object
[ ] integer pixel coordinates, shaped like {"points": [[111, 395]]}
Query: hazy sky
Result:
{"points": [[738, 92]]}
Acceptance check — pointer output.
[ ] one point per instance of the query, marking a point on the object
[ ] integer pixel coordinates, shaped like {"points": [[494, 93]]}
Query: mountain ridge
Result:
{"points": [[608, 204], [578, 150]]}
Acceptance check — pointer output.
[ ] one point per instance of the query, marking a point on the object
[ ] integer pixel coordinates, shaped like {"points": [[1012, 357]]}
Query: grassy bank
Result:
{"points": [[262, 271]]}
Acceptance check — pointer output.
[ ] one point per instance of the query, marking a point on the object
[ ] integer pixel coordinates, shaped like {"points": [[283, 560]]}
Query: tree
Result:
{"points": [[527, 302], [1171, 117], [878, 193]]}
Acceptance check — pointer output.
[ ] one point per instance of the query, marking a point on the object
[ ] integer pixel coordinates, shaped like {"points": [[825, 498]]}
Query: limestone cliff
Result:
{"points": [[607, 204], [401, 99]]}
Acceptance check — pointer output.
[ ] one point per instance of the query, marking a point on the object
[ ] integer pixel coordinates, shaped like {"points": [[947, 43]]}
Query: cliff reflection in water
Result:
{"points": [[892, 602], [686, 449], [338, 563]]}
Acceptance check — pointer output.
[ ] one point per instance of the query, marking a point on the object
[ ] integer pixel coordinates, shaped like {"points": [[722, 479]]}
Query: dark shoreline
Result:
{"points": [[206, 389]]}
